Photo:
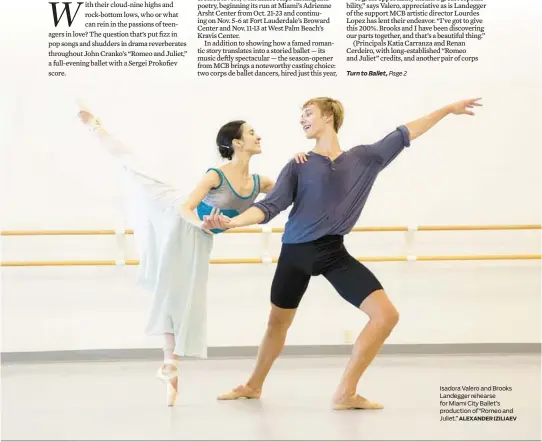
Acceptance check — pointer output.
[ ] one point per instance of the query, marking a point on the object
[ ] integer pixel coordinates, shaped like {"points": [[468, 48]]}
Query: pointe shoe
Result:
{"points": [[89, 119], [114, 146], [171, 392]]}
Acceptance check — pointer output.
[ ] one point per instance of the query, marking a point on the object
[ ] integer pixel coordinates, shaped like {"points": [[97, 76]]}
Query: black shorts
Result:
{"points": [[325, 256]]}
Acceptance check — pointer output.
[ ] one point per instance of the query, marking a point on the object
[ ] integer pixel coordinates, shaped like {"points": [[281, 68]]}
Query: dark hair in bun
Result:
{"points": [[224, 139]]}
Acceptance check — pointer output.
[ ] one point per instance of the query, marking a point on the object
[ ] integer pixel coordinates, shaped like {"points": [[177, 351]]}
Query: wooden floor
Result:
{"points": [[123, 400]]}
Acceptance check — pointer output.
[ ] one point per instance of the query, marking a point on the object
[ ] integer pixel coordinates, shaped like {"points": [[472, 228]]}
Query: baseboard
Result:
{"points": [[251, 351]]}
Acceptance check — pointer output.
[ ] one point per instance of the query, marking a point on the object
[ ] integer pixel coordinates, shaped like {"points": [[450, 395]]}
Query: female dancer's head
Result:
{"points": [[237, 138], [321, 115]]}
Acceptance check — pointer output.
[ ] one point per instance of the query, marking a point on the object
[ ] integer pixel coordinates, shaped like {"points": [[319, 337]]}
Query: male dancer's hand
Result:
{"points": [[462, 107]]}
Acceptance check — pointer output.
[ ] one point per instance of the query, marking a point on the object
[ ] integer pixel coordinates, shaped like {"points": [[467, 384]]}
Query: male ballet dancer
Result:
{"points": [[328, 194]]}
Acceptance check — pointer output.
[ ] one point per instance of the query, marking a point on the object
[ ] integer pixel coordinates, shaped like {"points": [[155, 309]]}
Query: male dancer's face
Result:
{"points": [[313, 122], [250, 142]]}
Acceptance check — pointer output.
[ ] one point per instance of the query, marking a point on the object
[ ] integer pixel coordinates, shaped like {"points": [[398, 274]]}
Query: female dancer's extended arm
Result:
{"points": [[209, 180]]}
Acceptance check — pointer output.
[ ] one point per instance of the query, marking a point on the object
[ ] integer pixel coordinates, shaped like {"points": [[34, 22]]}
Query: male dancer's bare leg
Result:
{"points": [[382, 319], [272, 344]]}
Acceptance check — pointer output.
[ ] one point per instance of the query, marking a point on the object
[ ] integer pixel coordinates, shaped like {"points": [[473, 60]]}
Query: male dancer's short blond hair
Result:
{"points": [[329, 106]]}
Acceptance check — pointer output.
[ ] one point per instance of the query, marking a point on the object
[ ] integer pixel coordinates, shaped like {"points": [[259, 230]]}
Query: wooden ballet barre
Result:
{"points": [[483, 227], [245, 230], [427, 228], [281, 229], [449, 258], [479, 258], [62, 232], [132, 262], [64, 263]]}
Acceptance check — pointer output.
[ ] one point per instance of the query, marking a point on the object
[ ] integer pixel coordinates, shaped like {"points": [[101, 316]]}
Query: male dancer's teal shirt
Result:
{"points": [[328, 197]]}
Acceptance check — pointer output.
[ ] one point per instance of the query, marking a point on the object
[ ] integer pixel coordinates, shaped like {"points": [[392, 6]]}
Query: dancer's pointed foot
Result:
{"points": [[169, 373], [89, 119], [355, 402], [114, 147], [240, 392]]}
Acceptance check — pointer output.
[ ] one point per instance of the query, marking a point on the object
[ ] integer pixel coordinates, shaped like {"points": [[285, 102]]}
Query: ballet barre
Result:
{"points": [[267, 259], [410, 258], [419, 228]]}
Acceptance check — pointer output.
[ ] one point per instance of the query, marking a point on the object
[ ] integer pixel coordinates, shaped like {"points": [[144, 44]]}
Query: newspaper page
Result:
{"points": [[214, 188]]}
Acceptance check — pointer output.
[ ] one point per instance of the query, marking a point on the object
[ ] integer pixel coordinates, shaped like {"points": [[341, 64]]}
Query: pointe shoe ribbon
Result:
{"points": [[171, 392]]}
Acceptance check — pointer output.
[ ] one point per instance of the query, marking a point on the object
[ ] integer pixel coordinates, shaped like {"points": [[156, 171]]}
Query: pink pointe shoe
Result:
{"points": [[171, 392]]}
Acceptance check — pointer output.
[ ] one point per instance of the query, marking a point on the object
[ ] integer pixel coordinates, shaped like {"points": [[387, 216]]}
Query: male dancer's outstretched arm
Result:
{"points": [[389, 147], [422, 125]]}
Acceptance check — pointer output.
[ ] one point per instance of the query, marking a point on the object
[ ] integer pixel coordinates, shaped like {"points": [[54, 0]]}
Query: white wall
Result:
{"points": [[481, 170]]}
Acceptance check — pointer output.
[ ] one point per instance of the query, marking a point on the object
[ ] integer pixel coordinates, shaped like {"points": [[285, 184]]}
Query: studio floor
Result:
{"points": [[123, 400]]}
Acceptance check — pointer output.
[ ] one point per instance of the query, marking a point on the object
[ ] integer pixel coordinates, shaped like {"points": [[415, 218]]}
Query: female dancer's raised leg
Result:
{"points": [[174, 259]]}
